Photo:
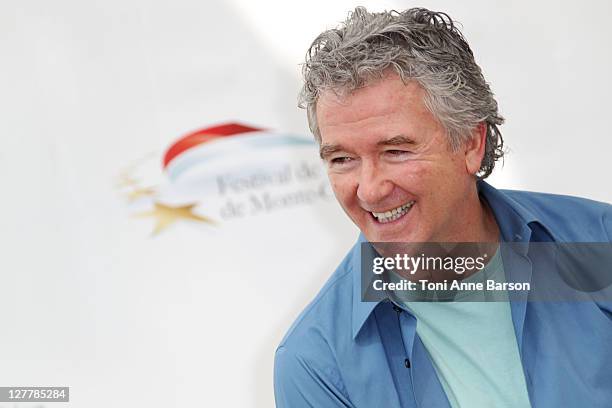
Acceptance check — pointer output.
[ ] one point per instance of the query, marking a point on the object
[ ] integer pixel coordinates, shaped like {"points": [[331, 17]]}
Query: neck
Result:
{"points": [[490, 227], [477, 223]]}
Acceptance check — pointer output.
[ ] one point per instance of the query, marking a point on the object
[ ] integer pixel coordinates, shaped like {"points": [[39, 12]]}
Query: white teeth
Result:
{"points": [[393, 214]]}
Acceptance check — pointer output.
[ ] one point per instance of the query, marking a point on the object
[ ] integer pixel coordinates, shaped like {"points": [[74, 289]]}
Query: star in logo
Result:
{"points": [[167, 215], [138, 193]]}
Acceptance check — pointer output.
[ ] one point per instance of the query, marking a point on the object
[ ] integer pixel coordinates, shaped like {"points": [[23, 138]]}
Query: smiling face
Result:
{"points": [[391, 167]]}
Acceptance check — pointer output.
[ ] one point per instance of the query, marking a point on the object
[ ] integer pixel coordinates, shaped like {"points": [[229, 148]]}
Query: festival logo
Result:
{"points": [[225, 173]]}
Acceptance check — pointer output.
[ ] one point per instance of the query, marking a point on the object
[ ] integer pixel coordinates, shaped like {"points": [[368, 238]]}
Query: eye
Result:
{"points": [[341, 163], [340, 160], [395, 154]]}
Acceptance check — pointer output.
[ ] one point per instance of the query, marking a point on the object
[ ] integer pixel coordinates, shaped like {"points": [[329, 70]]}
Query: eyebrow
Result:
{"points": [[396, 141], [327, 150]]}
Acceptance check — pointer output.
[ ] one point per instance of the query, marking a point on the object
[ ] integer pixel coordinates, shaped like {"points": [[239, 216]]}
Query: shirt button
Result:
{"points": [[407, 363]]}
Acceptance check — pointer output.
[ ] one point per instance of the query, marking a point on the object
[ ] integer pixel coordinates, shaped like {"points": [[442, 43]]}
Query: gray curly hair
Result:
{"points": [[420, 45]]}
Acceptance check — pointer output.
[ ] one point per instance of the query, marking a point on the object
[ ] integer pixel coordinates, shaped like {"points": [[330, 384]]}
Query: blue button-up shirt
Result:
{"points": [[342, 352]]}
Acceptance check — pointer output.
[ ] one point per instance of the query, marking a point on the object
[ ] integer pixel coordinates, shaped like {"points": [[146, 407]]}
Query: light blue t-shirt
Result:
{"points": [[473, 346]]}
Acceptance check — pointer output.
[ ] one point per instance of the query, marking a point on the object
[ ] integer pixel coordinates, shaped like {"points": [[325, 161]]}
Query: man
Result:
{"points": [[408, 129]]}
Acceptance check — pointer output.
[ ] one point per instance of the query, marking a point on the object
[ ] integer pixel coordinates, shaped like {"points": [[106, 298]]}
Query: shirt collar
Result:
{"points": [[361, 310], [515, 223]]}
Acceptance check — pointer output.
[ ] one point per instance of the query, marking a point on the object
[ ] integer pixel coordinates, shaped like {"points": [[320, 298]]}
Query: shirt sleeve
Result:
{"points": [[298, 383]]}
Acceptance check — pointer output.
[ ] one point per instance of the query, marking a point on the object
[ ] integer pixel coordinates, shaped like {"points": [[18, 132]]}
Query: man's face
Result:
{"points": [[390, 164]]}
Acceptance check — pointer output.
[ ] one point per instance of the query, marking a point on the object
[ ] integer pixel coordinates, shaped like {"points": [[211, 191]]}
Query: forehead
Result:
{"points": [[383, 101]]}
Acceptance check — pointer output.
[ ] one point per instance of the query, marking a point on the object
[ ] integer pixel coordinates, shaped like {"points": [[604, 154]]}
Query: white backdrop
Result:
{"points": [[89, 298]]}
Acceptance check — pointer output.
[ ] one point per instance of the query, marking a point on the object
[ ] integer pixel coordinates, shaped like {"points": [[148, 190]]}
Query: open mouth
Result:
{"points": [[393, 214]]}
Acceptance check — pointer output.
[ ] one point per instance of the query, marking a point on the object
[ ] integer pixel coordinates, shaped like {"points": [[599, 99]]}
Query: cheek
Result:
{"points": [[413, 177], [429, 173], [342, 187], [431, 182]]}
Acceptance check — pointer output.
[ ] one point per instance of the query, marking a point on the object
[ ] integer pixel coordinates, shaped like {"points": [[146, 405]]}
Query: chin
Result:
{"points": [[378, 237]]}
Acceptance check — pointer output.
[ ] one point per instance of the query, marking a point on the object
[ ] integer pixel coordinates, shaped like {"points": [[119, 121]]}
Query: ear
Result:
{"points": [[475, 148]]}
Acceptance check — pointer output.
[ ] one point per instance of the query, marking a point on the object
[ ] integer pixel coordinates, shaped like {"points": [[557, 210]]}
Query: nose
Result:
{"points": [[373, 185]]}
